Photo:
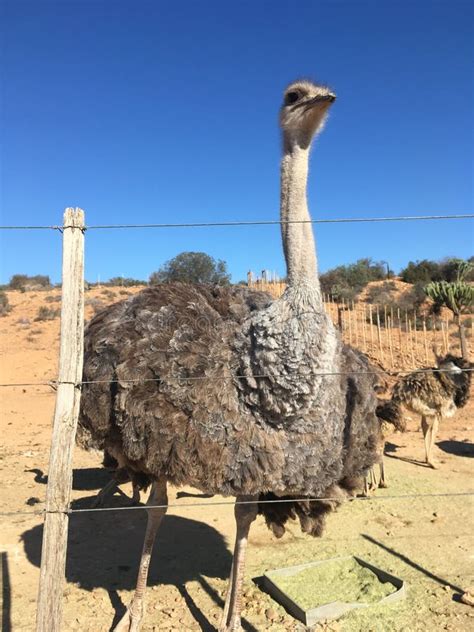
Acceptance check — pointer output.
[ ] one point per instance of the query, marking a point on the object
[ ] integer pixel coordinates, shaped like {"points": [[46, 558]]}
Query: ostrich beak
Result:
{"points": [[329, 98]]}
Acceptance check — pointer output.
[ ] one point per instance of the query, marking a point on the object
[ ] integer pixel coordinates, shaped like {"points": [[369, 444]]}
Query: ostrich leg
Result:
{"points": [[383, 480], [430, 428], [131, 620], [244, 516]]}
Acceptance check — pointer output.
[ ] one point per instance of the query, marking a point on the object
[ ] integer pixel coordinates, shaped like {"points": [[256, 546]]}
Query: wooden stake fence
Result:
{"points": [[58, 495]]}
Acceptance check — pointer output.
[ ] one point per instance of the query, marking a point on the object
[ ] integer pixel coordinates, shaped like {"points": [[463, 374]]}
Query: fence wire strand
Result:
{"points": [[223, 503], [55, 383], [335, 220]]}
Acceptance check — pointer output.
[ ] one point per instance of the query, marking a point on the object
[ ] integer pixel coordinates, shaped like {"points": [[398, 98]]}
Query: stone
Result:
{"points": [[271, 614], [468, 596]]}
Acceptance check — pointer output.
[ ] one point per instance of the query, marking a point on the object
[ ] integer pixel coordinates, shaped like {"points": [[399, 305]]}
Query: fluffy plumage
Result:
{"points": [[196, 421]]}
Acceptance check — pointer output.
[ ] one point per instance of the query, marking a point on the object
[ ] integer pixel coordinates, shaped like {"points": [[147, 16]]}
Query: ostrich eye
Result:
{"points": [[291, 97]]}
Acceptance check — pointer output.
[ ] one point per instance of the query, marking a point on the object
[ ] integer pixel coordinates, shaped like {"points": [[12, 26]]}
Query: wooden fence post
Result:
{"points": [[58, 495], [379, 334], [425, 341], [371, 330], [410, 338], [388, 326], [400, 337], [349, 320], [364, 328]]}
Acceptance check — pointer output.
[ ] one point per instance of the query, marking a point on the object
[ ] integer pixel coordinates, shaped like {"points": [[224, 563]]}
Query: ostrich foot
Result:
{"points": [[110, 490], [105, 493], [234, 626], [383, 485], [130, 622]]}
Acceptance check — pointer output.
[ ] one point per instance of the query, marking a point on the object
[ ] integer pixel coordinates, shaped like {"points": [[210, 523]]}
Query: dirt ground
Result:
{"points": [[425, 541]]}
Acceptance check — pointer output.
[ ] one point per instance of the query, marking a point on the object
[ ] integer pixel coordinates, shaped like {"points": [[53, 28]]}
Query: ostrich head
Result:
{"points": [[304, 111]]}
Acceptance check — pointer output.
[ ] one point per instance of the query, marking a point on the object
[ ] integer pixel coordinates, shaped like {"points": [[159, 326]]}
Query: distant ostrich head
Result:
{"points": [[453, 364], [304, 111]]}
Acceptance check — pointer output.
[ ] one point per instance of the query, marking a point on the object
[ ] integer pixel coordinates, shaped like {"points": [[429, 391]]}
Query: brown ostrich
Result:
{"points": [[433, 394], [234, 393]]}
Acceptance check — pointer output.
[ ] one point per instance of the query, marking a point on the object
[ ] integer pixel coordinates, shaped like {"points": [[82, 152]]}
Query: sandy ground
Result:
{"points": [[425, 541]]}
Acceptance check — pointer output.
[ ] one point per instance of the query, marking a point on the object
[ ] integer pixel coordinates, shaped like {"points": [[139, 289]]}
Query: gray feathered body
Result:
{"points": [[219, 388]]}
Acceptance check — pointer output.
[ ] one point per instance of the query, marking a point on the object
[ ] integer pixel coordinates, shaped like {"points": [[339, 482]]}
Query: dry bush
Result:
{"points": [[52, 299], [23, 322], [47, 313], [96, 304], [5, 306], [24, 282], [108, 294], [381, 294]]}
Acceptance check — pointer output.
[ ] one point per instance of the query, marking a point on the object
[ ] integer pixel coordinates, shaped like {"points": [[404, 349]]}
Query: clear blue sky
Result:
{"points": [[167, 111]]}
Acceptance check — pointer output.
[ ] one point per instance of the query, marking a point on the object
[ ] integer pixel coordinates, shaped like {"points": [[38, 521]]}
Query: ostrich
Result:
{"points": [[231, 392], [434, 395]]}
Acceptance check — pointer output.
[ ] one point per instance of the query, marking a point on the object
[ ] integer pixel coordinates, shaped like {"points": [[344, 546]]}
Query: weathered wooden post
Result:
{"points": [[410, 338], [400, 336], [349, 320], [388, 325], [425, 341], [58, 495], [379, 334], [364, 327], [371, 330]]}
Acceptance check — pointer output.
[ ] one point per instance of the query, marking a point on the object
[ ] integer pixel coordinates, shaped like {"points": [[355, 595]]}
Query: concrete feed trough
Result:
{"points": [[278, 585]]}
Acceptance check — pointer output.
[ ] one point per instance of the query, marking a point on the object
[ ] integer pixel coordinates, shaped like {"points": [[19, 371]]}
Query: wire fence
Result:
{"points": [[58, 505], [333, 220], [55, 383], [226, 503]]}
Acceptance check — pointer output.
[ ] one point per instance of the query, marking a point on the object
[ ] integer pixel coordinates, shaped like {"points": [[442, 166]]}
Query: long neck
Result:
{"points": [[297, 236]]}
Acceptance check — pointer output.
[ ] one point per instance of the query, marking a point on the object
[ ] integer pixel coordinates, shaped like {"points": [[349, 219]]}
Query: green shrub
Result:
{"points": [[192, 267], [348, 280]]}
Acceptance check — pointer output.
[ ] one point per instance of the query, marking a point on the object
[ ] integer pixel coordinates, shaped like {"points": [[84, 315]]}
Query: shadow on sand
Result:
{"points": [[86, 479], [418, 567], [6, 593], [104, 550], [459, 448]]}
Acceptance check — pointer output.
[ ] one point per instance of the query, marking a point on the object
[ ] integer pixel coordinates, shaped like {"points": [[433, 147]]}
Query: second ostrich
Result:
{"points": [[433, 394], [232, 393]]}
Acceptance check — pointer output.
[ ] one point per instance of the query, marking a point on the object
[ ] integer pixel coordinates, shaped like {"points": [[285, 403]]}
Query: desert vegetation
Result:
{"points": [[192, 267], [24, 282], [5, 306], [47, 313]]}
